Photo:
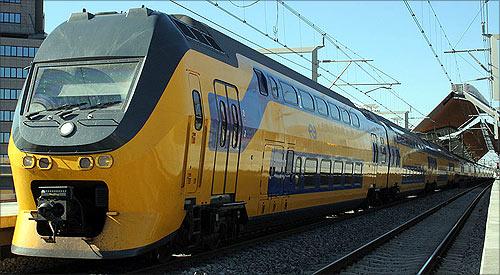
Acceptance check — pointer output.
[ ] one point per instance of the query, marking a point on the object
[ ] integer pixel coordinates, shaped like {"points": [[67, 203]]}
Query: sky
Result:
{"points": [[382, 31]]}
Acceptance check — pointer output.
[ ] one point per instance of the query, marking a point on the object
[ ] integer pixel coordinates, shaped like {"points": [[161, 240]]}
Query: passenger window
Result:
{"points": [[198, 112], [358, 168], [348, 168], [311, 166], [223, 122], [337, 167], [345, 116], [307, 101], [274, 87], [298, 165], [326, 166], [310, 172], [289, 161], [334, 111], [297, 171], [262, 82], [289, 94], [337, 173], [325, 172], [355, 120], [236, 125], [322, 107], [348, 174], [358, 175]]}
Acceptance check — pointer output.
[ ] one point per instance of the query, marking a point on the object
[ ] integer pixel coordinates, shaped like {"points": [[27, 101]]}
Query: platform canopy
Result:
{"points": [[460, 123]]}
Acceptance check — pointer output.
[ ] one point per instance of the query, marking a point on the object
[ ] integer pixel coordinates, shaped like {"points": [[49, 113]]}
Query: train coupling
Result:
{"points": [[52, 210]]}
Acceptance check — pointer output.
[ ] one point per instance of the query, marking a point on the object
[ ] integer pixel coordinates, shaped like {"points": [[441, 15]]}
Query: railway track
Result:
{"points": [[415, 246], [185, 261], [265, 236]]}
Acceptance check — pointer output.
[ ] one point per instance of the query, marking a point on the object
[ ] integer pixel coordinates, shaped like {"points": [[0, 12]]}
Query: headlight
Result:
{"points": [[29, 161], [45, 163], [85, 163], [104, 161]]}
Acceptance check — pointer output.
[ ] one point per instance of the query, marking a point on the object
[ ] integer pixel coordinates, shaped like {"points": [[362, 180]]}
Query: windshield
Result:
{"points": [[83, 85]]}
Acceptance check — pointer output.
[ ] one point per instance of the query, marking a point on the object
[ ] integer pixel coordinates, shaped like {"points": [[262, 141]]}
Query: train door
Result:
{"points": [[228, 139], [196, 135], [375, 158], [272, 179]]}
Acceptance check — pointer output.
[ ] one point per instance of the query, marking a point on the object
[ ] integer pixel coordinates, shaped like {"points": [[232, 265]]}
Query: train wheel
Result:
{"points": [[162, 254], [212, 242]]}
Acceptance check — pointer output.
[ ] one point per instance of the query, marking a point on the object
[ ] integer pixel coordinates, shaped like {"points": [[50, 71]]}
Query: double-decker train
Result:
{"points": [[140, 131]]}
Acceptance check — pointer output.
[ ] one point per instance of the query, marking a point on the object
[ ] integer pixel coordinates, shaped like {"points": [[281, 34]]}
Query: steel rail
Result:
{"points": [[271, 234], [355, 255], [448, 240]]}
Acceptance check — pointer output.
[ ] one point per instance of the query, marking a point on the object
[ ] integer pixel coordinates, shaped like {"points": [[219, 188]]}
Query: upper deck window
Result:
{"points": [[100, 86], [289, 94], [355, 119], [322, 108], [345, 116], [274, 87], [334, 111], [307, 101]]}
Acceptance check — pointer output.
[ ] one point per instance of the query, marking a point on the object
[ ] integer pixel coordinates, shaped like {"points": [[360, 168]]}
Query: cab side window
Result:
{"points": [[198, 110]]}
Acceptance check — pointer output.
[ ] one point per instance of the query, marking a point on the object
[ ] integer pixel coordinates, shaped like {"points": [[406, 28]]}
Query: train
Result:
{"points": [[139, 132]]}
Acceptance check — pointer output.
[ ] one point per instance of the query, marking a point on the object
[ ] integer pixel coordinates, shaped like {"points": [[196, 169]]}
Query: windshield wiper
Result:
{"points": [[103, 104], [62, 107]]}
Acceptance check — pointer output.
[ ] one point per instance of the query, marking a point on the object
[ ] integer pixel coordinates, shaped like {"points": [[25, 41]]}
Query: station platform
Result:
{"points": [[8, 215], [490, 262]]}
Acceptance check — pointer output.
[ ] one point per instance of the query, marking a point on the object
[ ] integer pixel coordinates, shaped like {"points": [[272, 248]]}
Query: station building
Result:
{"points": [[21, 33]]}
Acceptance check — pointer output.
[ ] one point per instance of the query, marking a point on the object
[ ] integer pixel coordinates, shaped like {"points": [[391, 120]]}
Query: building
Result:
{"points": [[461, 123], [21, 33]]}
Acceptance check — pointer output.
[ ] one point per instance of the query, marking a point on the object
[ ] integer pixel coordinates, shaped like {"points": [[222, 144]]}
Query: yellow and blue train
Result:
{"points": [[138, 131]]}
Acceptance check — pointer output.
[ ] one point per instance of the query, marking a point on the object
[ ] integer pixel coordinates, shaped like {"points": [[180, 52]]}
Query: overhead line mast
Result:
{"points": [[291, 49]]}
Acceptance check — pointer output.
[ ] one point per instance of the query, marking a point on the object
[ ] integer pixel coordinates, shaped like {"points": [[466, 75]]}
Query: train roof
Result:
{"points": [[229, 47]]}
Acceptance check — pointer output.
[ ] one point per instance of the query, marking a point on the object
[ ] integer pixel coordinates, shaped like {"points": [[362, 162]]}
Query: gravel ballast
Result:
{"points": [[407, 252], [464, 255], [308, 251], [303, 252]]}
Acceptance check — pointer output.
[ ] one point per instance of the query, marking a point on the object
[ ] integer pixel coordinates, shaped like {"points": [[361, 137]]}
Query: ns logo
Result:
{"points": [[312, 131]]}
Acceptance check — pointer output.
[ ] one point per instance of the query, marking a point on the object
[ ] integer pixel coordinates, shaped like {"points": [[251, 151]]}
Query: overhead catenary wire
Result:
{"points": [[334, 41], [244, 6], [293, 51], [470, 24], [258, 45], [291, 61], [419, 26], [338, 45], [447, 39]]}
